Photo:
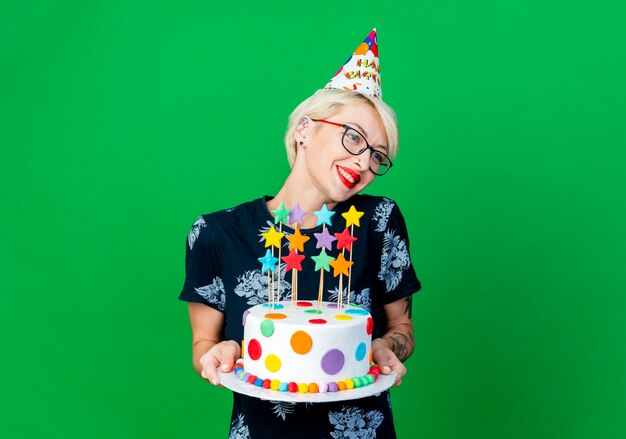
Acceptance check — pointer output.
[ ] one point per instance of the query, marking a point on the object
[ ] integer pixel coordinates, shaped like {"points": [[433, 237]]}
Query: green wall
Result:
{"points": [[121, 122]]}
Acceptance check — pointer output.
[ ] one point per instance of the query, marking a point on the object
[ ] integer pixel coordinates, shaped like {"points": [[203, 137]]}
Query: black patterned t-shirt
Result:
{"points": [[223, 272]]}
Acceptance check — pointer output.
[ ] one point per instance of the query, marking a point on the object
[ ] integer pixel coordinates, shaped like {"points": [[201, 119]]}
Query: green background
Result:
{"points": [[121, 122]]}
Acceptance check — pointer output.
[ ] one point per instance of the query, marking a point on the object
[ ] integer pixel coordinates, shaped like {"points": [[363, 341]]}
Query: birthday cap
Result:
{"points": [[361, 71]]}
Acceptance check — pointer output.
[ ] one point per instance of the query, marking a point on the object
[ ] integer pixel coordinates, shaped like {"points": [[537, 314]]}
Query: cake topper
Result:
{"points": [[323, 216], [344, 240], [296, 243], [280, 217], [324, 239], [352, 217], [269, 262], [296, 215], [281, 214], [293, 261]]}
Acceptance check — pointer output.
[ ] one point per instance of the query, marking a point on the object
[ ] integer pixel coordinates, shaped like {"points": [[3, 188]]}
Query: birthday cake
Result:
{"points": [[298, 347], [302, 346]]}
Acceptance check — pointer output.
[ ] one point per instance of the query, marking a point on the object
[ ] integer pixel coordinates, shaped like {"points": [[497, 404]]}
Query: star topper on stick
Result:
{"points": [[272, 237], [281, 214], [297, 214], [352, 216], [323, 216]]}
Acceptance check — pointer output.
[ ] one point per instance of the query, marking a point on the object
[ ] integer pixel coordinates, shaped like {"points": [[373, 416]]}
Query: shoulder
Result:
{"points": [[377, 209], [232, 213], [221, 222], [371, 202]]}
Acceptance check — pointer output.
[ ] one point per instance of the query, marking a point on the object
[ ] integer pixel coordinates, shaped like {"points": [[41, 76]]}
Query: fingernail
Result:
{"points": [[215, 382], [225, 368]]}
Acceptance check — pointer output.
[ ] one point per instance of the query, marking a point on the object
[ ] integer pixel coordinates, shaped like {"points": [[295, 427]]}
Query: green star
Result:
{"points": [[322, 260], [281, 214]]}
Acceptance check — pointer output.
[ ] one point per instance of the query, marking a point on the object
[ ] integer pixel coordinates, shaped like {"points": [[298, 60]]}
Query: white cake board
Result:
{"points": [[230, 381]]}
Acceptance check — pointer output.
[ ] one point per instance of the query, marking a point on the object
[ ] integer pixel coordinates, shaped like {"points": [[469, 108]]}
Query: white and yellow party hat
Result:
{"points": [[361, 72]]}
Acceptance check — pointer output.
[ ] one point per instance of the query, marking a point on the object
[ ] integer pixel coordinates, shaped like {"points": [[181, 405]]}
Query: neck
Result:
{"points": [[298, 188]]}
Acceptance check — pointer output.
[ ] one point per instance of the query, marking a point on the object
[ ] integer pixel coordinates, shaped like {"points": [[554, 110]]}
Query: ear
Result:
{"points": [[303, 129]]}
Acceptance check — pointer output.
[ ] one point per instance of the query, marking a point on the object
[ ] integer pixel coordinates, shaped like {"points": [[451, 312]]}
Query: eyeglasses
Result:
{"points": [[354, 142]]}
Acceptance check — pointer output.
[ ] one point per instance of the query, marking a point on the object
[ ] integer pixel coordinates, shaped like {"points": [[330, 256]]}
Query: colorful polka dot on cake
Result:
{"points": [[343, 317], [254, 349], [301, 342], [267, 327], [360, 351], [272, 362], [274, 306], [332, 361], [275, 316], [358, 312]]}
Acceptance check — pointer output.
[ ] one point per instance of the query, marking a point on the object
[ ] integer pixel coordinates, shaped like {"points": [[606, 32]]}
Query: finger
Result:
{"points": [[229, 356], [400, 371], [211, 374], [209, 371], [227, 366]]}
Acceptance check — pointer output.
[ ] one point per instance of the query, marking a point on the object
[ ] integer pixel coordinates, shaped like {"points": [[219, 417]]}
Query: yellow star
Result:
{"points": [[272, 237], [297, 240], [352, 216], [340, 265]]}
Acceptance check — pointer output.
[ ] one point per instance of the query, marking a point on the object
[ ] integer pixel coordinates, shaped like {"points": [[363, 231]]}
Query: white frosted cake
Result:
{"points": [[293, 347]]}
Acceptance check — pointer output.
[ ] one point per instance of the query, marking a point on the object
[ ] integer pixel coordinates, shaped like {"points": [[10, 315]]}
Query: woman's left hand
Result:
{"points": [[387, 361]]}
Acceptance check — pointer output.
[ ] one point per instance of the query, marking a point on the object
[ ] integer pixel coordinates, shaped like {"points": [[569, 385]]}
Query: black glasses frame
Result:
{"points": [[348, 127]]}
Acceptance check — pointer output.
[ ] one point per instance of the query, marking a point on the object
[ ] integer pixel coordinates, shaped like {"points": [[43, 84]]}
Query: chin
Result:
{"points": [[344, 194]]}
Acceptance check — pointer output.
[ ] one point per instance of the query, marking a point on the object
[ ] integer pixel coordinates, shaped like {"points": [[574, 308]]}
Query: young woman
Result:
{"points": [[337, 142]]}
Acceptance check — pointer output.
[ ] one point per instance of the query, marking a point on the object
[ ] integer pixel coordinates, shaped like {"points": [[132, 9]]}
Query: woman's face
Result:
{"points": [[335, 172]]}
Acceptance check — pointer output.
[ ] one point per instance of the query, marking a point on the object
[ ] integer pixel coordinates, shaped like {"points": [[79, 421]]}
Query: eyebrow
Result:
{"points": [[385, 147]]}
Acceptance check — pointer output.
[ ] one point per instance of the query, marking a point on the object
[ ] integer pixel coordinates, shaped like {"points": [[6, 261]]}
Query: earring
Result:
{"points": [[301, 143]]}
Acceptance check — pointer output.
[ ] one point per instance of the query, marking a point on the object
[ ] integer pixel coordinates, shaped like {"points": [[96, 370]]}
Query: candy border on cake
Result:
{"points": [[293, 387]]}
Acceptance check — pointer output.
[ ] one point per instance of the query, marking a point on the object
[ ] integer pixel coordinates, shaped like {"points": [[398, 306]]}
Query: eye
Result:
{"points": [[378, 157], [354, 137]]}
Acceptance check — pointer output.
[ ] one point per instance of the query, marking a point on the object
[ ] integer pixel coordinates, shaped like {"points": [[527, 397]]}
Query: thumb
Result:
{"points": [[226, 366], [384, 367]]}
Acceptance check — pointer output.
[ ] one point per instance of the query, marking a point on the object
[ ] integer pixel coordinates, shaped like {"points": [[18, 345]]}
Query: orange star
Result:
{"points": [[340, 265], [297, 240]]}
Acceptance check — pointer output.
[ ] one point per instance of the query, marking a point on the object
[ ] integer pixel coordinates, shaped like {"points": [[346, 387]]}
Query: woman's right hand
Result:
{"points": [[223, 355]]}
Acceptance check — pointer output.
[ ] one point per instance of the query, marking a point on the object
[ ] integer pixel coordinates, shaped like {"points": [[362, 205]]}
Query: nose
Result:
{"points": [[362, 160]]}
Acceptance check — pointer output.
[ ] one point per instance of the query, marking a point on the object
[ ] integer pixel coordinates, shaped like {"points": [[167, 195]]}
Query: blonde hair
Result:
{"points": [[326, 102]]}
